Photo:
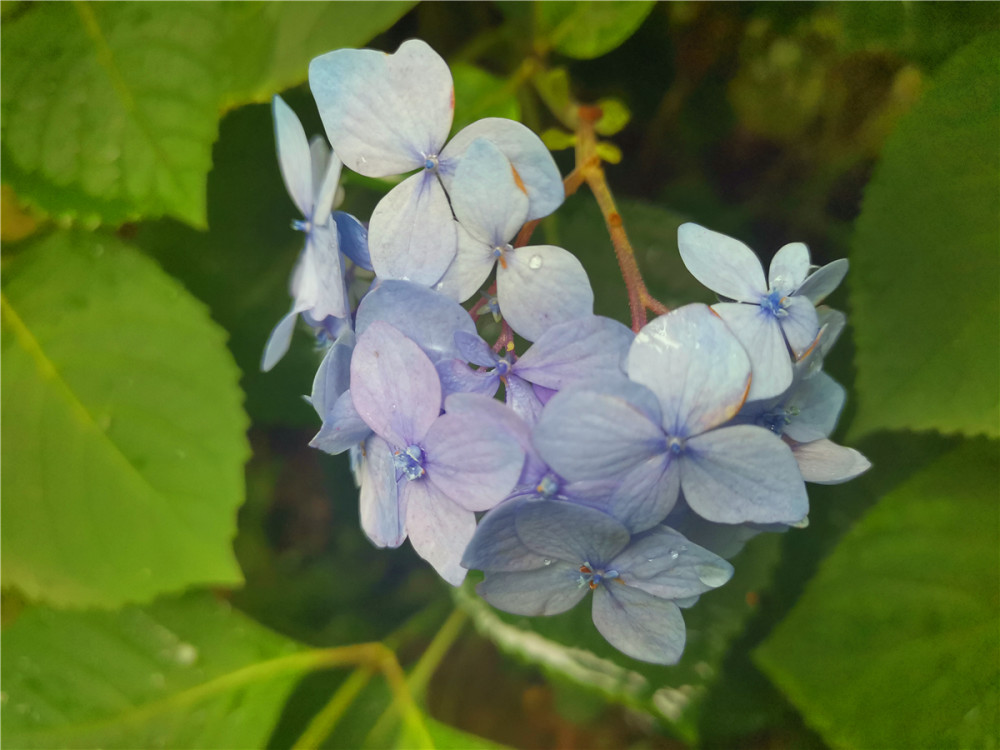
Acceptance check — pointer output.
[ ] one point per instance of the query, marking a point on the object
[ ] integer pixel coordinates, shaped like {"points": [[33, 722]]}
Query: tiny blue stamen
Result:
{"points": [[410, 461], [430, 162], [675, 445], [774, 303], [503, 366], [548, 487], [301, 226]]}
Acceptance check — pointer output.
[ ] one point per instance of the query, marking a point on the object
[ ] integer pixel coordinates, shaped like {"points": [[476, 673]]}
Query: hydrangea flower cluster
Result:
{"points": [[629, 464]]}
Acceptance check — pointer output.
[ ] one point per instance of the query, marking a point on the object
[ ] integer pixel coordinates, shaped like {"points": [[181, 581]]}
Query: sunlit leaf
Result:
{"points": [[894, 643], [586, 28], [480, 94], [123, 432], [181, 673], [924, 260]]}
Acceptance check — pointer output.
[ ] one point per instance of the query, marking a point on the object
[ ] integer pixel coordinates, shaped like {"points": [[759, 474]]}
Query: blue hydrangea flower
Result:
{"points": [[424, 474], [768, 317], [537, 286], [661, 432], [541, 557], [311, 174], [391, 114]]}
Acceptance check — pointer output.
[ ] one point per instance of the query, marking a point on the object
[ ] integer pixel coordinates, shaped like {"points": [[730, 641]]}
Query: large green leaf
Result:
{"points": [[925, 262], [894, 643], [181, 673], [569, 648], [110, 110], [123, 431], [586, 29]]}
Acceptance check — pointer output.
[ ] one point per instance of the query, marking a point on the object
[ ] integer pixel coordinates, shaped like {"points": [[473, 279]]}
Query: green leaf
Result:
{"points": [[925, 263], [614, 116], [588, 29], [181, 673], [568, 647], [480, 94], [123, 432], [110, 110], [446, 737], [894, 643]]}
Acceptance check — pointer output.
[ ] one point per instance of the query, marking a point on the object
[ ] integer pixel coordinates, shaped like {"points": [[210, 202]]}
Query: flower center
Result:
{"points": [[410, 461], [548, 487], [774, 303], [430, 161], [593, 577], [675, 445], [777, 419], [300, 225]]}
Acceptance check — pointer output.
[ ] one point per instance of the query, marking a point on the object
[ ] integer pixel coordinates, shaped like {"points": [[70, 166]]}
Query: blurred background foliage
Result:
{"points": [[177, 563]]}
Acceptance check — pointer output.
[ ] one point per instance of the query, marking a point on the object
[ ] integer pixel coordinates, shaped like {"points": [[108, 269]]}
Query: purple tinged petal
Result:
{"points": [[353, 239], [333, 376], [639, 624], [534, 164], [522, 398], [439, 530], [343, 428], [485, 195], [394, 385], [815, 406], [800, 325], [382, 511], [293, 155], [279, 341], [472, 462], [474, 350], [743, 473], [577, 350], [384, 113], [496, 545], [456, 377], [823, 281], [789, 267], [646, 494], [569, 532], [550, 590], [424, 316], [663, 563], [411, 235], [468, 270], [492, 415], [541, 286], [586, 435], [760, 334], [825, 462], [723, 264], [695, 366]]}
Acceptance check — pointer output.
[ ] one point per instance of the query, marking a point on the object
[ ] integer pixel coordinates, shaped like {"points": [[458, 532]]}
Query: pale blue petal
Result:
{"points": [[319, 279], [470, 268], [496, 545], [695, 366], [760, 334], [429, 318], [456, 377], [522, 398], [560, 530], [343, 428], [825, 462], [549, 590], [471, 461], [353, 238], [327, 190], [815, 406], [411, 235], [584, 435], [474, 350], [384, 113], [394, 385], [293, 155], [319, 158], [723, 264], [823, 281], [382, 515], [832, 323], [646, 494], [583, 349], [542, 286], [439, 530], [724, 539], [534, 164], [743, 473], [665, 564], [789, 267], [279, 341], [800, 325], [492, 416], [333, 376], [485, 196], [639, 624]]}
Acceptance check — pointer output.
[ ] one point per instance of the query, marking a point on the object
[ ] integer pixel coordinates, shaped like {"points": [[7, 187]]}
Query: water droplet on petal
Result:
{"points": [[674, 554], [535, 263], [712, 575], [546, 561]]}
